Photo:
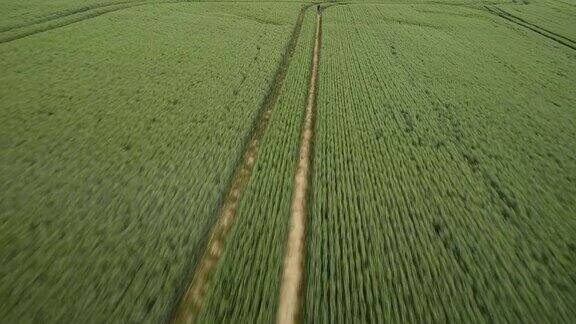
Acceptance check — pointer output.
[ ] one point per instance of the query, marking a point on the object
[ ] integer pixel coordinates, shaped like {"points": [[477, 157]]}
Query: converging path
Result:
{"points": [[192, 301], [290, 290]]}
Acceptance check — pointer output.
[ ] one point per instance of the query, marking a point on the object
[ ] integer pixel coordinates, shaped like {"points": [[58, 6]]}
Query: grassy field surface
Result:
{"points": [[444, 170], [118, 135]]}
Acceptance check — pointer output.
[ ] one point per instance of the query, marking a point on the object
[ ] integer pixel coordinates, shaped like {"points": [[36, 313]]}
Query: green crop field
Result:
{"points": [[151, 157]]}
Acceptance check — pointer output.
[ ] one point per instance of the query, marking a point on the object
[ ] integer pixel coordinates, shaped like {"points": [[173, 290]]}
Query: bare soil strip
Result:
{"points": [[290, 289], [539, 30], [191, 303]]}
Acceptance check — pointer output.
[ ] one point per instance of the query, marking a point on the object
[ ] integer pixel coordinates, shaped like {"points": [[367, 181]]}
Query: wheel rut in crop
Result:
{"points": [[64, 13], [533, 25], [293, 268], [72, 16], [535, 28], [190, 303], [64, 20]]}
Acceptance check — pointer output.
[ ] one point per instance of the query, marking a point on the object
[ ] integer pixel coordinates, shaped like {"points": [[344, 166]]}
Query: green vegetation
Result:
{"points": [[556, 16], [444, 170], [118, 135], [443, 186]]}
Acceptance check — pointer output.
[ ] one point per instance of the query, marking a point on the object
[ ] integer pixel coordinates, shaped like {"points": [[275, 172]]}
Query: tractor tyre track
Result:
{"points": [[190, 304], [539, 30], [64, 13], [293, 268], [72, 16], [65, 20], [533, 25]]}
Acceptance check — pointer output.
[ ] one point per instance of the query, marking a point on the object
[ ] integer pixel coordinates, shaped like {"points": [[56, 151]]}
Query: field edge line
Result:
{"points": [[190, 303]]}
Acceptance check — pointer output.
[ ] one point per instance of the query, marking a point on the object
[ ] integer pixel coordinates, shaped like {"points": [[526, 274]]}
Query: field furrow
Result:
{"points": [[193, 299]]}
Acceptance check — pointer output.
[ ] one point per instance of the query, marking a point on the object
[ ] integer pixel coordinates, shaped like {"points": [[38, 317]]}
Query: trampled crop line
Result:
{"points": [[83, 13], [65, 20], [64, 13], [293, 268], [404, 3], [533, 25], [190, 304], [72, 16], [539, 30], [78, 10]]}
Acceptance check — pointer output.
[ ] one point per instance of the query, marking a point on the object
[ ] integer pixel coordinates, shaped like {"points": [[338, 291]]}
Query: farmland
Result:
{"points": [[150, 152]]}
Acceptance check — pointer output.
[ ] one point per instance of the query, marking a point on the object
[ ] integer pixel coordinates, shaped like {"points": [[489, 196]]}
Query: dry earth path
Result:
{"points": [[293, 272]]}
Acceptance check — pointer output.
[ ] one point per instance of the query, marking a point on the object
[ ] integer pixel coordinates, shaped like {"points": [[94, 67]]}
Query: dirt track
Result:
{"points": [[290, 289], [191, 303]]}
